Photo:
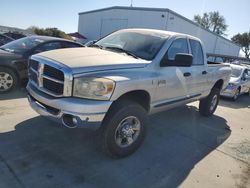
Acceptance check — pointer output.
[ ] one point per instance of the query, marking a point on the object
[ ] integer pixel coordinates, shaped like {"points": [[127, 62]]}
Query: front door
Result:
{"points": [[172, 81]]}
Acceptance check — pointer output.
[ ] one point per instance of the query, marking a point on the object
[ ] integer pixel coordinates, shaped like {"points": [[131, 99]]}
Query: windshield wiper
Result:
{"points": [[122, 50]]}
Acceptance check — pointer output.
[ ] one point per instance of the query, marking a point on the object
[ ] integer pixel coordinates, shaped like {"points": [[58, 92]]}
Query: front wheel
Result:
{"points": [[236, 94], [123, 129], [8, 80], [209, 104]]}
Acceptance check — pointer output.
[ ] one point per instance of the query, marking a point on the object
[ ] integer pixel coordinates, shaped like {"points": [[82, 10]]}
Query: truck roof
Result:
{"points": [[161, 32]]}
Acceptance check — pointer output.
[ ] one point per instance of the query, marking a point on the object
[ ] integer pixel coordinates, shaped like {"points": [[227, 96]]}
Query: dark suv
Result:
{"points": [[14, 57]]}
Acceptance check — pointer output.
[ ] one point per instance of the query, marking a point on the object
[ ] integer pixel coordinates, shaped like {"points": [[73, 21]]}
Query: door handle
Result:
{"points": [[204, 72], [187, 74]]}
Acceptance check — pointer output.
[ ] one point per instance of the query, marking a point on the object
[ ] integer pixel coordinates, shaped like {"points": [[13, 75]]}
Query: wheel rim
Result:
{"points": [[6, 81], [127, 131], [213, 102]]}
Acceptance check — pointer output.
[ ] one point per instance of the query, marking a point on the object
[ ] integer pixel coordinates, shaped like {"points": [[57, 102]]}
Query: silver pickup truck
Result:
{"points": [[115, 83]]}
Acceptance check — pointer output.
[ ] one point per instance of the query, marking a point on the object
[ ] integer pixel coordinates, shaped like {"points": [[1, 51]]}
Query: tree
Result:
{"points": [[53, 32], [244, 41], [212, 21]]}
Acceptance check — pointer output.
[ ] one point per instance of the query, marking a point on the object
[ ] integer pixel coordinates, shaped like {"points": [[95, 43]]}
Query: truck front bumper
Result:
{"points": [[71, 112]]}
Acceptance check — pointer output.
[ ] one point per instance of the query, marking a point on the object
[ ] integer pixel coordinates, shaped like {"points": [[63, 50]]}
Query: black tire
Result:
{"points": [[248, 93], [207, 105], [236, 95], [12, 76], [119, 111]]}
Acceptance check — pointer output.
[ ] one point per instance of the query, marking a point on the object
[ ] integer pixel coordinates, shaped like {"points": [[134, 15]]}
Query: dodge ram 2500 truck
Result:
{"points": [[115, 83]]}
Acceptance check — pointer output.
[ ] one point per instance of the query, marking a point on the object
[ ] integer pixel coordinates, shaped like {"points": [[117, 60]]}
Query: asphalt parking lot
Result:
{"points": [[182, 149]]}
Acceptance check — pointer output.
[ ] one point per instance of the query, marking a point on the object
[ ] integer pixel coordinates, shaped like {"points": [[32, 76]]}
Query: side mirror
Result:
{"points": [[181, 60]]}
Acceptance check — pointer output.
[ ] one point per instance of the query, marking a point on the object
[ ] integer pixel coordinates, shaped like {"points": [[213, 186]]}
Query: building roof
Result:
{"points": [[127, 8], [155, 9]]}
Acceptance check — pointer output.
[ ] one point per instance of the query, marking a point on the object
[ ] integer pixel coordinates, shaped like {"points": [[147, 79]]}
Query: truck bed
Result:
{"points": [[211, 64]]}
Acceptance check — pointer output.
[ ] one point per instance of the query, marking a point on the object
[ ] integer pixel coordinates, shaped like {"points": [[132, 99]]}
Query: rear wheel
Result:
{"points": [[8, 80], [123, 129], [209, 104]]}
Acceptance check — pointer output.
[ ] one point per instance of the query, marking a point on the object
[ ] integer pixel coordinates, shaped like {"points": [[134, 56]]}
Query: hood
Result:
{"points": [[82, 60], [5, 54]]}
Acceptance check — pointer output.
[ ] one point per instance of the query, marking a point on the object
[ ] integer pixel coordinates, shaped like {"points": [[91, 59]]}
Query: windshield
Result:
{"points": [[144, 45], [22, 45], [236, 72]]}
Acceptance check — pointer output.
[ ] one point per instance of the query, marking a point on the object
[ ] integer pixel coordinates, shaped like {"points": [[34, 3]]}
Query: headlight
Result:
{"points": [[231, 85], [93, 88]]}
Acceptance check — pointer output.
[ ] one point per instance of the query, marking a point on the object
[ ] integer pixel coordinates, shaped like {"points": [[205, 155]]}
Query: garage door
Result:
{"points": [[110, 25]]}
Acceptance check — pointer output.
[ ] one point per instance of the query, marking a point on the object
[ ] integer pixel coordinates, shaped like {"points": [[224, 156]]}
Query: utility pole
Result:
{"points": [[131, 5]]}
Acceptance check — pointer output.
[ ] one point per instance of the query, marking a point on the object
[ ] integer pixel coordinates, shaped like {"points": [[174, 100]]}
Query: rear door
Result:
{"points": [[198, 78]]}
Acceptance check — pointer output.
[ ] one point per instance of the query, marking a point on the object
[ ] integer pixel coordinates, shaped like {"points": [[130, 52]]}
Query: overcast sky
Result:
{"points": [[63, 14]]}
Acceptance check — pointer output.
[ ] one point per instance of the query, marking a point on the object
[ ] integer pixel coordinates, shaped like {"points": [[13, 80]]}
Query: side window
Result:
{"points": [[49, 46], [178, 46], [70, 45], [196, 52]]}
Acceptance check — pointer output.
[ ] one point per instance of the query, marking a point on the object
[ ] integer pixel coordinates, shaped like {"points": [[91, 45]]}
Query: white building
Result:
{"points": [[98, 23]]}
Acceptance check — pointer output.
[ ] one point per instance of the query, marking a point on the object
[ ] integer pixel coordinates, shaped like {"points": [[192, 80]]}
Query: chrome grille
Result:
{"points": [[34, 64], [53, 73], [55, 87], [33, 71], [49, 77]]}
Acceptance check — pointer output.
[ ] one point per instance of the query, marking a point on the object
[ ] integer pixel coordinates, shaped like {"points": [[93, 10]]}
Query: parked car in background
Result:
{"points": [[14, 57], [15, 35], [5, 39], [239, 82], [116, 82]]}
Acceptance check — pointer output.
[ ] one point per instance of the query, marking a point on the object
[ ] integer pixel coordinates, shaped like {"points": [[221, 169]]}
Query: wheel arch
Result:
{"points": [[11, 68], [219, 84], [142, 97]]}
